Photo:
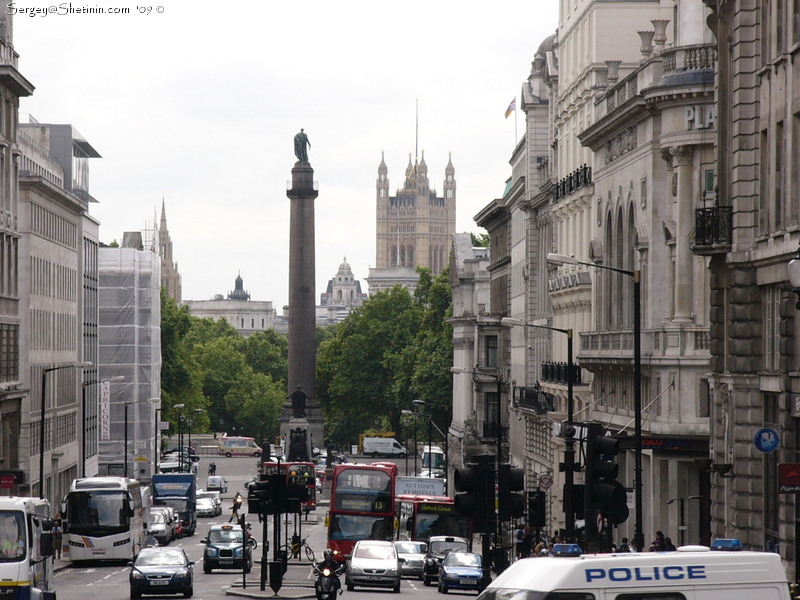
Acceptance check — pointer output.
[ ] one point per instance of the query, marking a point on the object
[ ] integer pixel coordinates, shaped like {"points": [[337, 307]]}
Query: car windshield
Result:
{"points": [[205, 502], [225, 536], [158, 517], [374, 551], [457, 559], [410, 548], [160, 557], [442, 546], [209, 495]]}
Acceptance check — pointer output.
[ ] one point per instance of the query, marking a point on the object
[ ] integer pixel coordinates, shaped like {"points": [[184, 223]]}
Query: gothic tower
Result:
{"points": [[414, 227], [170, 277]]}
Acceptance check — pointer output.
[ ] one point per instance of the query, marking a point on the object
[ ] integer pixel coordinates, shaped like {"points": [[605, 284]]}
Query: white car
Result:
{"points": [[214, 497], [206, 507]]}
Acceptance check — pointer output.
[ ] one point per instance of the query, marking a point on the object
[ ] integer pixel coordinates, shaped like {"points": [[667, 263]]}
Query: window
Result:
{"points": [[491, 350], [772, 328]]}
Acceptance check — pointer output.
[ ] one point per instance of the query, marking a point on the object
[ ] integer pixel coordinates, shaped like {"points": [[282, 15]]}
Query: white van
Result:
{"points": [[691, 573], [380, 446]]}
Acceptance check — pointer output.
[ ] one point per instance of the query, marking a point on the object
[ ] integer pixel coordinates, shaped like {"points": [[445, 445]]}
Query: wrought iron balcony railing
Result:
{"points": [[534, 399], [712, 230]]}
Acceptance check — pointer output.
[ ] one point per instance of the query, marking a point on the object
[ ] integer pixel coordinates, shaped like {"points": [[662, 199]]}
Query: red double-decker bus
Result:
{"points": [[362, 506], [297, 473], [420, 517]]}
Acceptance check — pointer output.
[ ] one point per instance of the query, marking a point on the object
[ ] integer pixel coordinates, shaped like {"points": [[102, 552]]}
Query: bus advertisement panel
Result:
{"points": [[362, 506], [103, 518], [420, 517]]}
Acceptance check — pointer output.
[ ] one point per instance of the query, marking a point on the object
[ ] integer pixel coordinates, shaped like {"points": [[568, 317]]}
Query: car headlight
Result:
{"points": [[211, 552], [238, 552], [182, 574], [391, 571], [356, 570], [137, 574]]}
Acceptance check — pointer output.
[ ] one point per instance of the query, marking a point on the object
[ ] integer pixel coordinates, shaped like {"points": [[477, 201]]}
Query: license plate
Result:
{"points": [[159, 582], [374, 578], [226, 562], [467, 581]]}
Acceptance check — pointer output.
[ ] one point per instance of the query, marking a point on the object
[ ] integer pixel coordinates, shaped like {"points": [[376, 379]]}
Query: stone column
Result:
{"points": [[302, 316], [684, 221]]}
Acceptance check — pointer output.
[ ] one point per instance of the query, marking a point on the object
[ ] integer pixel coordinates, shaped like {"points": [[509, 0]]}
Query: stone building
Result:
{"points": [[341, 296], [751, 232], [170, 276], [469, 281], [414, 227], [14, 400], [245, 315], [618, 154], [58, 287]]}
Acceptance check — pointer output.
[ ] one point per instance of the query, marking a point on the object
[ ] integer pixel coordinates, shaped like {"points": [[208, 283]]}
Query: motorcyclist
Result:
{"points": [[328, 562]]}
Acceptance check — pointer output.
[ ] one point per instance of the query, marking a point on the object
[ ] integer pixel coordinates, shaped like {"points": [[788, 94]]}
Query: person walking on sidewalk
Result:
{"points": [[57, 532]]}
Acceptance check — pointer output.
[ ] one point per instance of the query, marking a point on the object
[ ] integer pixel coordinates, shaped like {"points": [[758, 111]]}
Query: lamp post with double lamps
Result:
{"points": [[84, 385], [180, 408], [569, 431], [42, 422], [636, 274]]}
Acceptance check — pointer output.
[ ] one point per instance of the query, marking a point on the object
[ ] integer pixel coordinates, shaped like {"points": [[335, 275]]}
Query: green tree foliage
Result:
{"points": [[395, 348], [239, 382], [480, 239]]}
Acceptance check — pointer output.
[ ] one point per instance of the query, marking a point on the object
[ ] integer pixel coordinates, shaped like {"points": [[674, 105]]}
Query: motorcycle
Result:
{"points": [[328, 585]]}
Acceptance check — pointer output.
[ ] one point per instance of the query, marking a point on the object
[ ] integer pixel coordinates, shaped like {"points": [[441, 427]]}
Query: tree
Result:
{"points": [[480, 240], [254, 400], [267, 352]]}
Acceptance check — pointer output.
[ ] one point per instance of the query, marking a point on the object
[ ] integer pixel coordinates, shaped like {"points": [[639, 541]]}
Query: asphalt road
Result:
{"points": [[110, 581]]}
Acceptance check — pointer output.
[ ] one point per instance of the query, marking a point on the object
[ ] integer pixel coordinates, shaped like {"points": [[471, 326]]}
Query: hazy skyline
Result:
{"points": [[198, 104]]}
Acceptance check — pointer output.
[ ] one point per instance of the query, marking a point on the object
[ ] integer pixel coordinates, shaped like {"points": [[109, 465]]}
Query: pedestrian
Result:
{"points": [[57, 532], [519, 534], [212, 469], [624, 546], [668, 545], [527, 542], [657, 544]]}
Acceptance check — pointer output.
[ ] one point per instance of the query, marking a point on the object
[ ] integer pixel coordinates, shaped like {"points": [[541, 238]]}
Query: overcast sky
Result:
{"points": [[198, 102]]}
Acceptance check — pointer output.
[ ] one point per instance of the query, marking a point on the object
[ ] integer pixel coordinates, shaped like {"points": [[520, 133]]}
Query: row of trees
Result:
{"points": [[396, 348]]}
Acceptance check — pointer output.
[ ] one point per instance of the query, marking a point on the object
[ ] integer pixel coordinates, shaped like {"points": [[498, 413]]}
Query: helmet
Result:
{"points": [[328, 554]]}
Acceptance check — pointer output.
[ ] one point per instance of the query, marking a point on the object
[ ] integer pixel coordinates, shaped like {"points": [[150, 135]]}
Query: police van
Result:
{"points": [[690, 573]]}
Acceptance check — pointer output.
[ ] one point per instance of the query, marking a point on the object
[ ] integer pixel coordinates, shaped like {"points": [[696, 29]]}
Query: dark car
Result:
{"points": [[440, 546], [462, 571], [225, 549], [161, 571]]}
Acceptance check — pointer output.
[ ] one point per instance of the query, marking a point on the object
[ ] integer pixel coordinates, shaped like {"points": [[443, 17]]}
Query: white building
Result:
{"points": [[244, 315]]}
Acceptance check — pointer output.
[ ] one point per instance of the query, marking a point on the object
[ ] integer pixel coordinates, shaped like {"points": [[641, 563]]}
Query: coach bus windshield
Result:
{"points": [[93, 512]]}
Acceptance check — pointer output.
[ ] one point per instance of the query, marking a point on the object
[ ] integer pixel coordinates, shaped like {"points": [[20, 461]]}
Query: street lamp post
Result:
{"points": [[42, 422], [569, 432], [636, 274], [156, 432], [84, 385], [180, 425]]}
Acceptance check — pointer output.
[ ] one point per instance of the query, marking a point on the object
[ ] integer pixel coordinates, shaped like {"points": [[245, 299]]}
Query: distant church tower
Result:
{"points": [[415, 227], [170, 277]]}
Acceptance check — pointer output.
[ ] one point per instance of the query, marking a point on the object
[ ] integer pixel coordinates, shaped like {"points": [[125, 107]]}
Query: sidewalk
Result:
{"points": [[296, 583]]}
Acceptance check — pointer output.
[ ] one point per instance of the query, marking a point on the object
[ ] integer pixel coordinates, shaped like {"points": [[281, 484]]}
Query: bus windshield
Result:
{"points": [[361, 527], [93, 512], [12, 536]]}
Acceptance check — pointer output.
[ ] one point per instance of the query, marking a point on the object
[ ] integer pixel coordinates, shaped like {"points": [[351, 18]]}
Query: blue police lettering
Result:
{"points": [[671, 573]]}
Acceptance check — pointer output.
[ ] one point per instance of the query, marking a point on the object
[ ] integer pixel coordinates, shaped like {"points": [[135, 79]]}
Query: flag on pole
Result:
{"points": [[511, 107]]}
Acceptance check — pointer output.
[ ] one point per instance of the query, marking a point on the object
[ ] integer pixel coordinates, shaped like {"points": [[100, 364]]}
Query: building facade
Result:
{"points": [[341, 296], [414, 228], [14, 399], [751, 233], [245, 316]]}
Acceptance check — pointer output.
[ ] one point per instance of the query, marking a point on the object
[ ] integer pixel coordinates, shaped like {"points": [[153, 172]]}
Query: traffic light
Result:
{"points": [[510, 505], [537, 508], [476, 502], [259, 497], [602, 491]]}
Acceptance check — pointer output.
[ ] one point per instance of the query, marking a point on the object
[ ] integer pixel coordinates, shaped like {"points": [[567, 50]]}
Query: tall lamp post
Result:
{"points": [[195, 411], [42, 422], [180, 408], [569, 432], [636, 274], [125, 449], [84, 385]]}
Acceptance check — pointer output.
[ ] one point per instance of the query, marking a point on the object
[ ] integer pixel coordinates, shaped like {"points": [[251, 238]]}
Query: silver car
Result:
{"points": [[374, 563], [413, 554]]}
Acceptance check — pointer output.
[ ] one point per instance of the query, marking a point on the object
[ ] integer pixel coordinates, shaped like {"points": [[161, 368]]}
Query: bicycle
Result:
{"points": [[293, 550]]}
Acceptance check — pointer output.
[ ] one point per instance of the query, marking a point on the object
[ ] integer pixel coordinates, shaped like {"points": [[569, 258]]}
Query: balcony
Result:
{"points": [[534, 399], [712, 230], [491, 429], [556, 372]]}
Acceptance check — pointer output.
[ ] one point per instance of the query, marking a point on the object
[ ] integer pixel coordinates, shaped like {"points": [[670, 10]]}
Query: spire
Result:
{"points": [[449, 169], [382, 168], [423, 166], [163, 214]]}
